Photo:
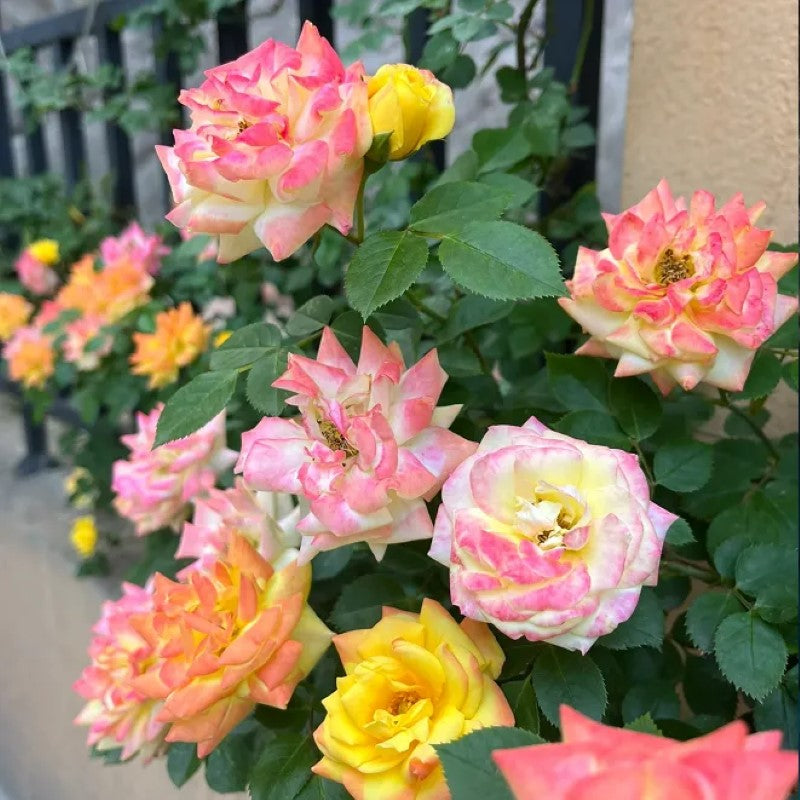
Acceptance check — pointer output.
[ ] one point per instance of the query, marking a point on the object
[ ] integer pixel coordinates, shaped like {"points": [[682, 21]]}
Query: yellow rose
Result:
{"points": [[412, 105], [45, 250], [222, 337], [412, 681], [84, 536]]}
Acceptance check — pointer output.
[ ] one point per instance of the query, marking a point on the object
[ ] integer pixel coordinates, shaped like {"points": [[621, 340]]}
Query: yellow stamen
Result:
{"points": [[672, 267]]}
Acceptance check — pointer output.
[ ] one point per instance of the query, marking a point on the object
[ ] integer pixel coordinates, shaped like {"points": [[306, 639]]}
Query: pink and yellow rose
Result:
{"points": [[228, 637], [596, 761], [86, 342], [687, 294], [368, 449], [548, 537], [133, 244], [35, 267], [154, 486], [410, 682], [118, 715], [266, 519], [275, 149]]}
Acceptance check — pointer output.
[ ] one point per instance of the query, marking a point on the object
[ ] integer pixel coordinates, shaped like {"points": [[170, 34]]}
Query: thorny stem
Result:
{"points": [[359, 237], [424, 308], [645, 466], [691, 571], [583, 43], [724, 402], [522, 29]]}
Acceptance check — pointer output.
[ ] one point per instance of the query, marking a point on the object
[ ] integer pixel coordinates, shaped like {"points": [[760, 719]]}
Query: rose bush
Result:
{"points": [[617, 537]]}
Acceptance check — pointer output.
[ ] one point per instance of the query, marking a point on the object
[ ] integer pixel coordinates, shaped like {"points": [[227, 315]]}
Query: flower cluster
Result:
{"points": [[15, 311], [31, 357], [179, 338], [153, 486], [277, 142], [369, 447], [685, 293]]}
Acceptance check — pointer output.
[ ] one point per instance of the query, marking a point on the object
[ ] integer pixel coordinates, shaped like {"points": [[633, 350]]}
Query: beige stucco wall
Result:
{"points": [[713, 102]]}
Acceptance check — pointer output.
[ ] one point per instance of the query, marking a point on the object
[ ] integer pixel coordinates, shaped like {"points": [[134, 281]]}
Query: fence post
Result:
{"points": [[36, 456], [232, 32], [70, 122], [318, 12], [168, 71], [118, 144], [6, 155]]}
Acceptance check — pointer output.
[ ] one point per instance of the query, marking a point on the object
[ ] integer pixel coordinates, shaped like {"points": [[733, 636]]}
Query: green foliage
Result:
{"points": [[501, 260], [384, 266], [562, 676], [195, 404], [182, 762], [468, 766]]}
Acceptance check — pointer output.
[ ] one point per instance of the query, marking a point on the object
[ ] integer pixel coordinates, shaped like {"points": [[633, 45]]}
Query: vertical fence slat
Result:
{"points": [[118, 145], [70, 122], [6, 155], [318, 12], [168, 72], [232, 32]]}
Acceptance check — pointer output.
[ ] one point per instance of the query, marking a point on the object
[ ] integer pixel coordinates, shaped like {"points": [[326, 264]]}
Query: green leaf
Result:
{"points": [[458, 361], [636, 407], [706, 691], [778, 711], [502, 260], [769, 573], [329, 563], [562, 676], [594, 427], [580, 383], [706, 614], [751, 654], [520, 191], [790, 373], [228, 765], [360, 603], [522, 699], [654, 697], [182, 762], [645, 628], [468, 766], [311, 316], [348, 328], [683, 466], [763, 377], [259, 390], [448, 208], [322, 789], [195, 404], [473, 311], [284, 768], [245, 346], [578, 136], [644, 724], [383, 267], [679, 533], [500, 148]]}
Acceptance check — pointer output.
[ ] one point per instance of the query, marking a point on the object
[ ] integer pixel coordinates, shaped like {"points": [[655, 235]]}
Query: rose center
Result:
{"points": [[402, 702], [334, 439], [549, 515], [243, 125], [672, 267]]}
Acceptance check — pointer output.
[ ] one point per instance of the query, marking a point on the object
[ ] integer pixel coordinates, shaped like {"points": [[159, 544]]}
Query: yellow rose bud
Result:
{"points": [[412, 105], [222, 337], [84, 536], [45, 250], [412, 681]]}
